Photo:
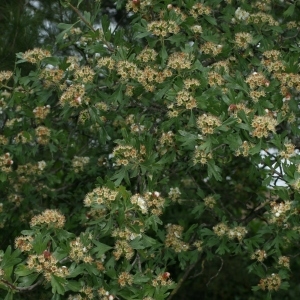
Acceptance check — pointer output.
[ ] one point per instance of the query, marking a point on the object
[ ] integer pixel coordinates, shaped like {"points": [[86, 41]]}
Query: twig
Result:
{"points": [[89, 25], [22, 289], [183, 278], [218, 272], [199, 273], [31, 287]]}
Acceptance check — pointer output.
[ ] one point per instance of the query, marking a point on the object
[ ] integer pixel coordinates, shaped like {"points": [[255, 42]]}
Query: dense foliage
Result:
{"points": [[154, 156]]}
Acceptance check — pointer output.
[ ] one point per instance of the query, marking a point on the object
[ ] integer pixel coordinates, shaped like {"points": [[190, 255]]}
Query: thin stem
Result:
{"points": [[218, 272], [183, 278]]}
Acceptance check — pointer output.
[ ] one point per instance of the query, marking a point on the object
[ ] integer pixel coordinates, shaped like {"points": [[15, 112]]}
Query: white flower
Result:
{"points": [[142, 204], [41, 165], [241, 14]]}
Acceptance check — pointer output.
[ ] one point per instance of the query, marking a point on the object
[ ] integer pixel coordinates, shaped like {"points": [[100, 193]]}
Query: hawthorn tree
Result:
{"points": [[150, 155]]}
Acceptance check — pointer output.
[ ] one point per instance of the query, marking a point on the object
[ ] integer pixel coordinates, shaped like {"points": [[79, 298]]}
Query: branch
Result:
{"points": [[31, 287], [22, 289], [218, 272], [183, 278], [89, 25]]}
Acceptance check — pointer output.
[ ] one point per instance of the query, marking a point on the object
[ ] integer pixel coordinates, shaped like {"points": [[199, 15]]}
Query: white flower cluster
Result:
{"points": [[241, 14]]}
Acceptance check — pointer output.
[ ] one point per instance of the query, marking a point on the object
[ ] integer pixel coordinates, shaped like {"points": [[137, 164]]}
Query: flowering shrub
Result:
{"points": [[153, 150]]}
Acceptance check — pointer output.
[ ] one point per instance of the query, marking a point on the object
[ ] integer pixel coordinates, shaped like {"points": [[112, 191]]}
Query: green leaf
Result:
{"points": [[58, 284], [73, 285], [211, 20], [10, 258], [28, 280], [290, 11], [213, 170], [22, 270], [100, 249]]}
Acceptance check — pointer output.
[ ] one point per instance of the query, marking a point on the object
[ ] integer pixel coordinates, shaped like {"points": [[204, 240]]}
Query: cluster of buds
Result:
{"points": [[207, 123], [162, 279], [244, 149], [284, 261], [184, 98], [209, 202], [256, 80], [51, 77], [50, 218], [3, 140], [41, 112], [23, 137], [272, 61], [79, 162], [5, 75], [31, 169], [16, 199], [84, 74], [10, 123], [126, 233], [148, 76], [73, 96], [191, 83], [123, 248], [107, 62], [197, 29], [177, 11], [166, 142], [174, 194], [126, 154], [79, 252], [279, 211], [125, 279], [73, 32], [288, 152], [180, 61], [105, 295], [215, 79], [147, 55], [257, 83], [259, 255], [262, 125], [74, 63], [35, 55], [198, 245], [199, 9], [288, 81], [163, 28], [6, 163], [100, 196], [88, 291], [174, 238], [47, 264], [201, 157], [242, 40], [270, 283], [150, 202], [262, 17], [127, 70], [211, 48], [24, 243], [136, 5], [237, 232], [42, 135]]}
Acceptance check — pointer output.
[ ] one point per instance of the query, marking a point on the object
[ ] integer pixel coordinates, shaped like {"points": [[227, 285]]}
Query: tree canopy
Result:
{"points": [[153, 155]]}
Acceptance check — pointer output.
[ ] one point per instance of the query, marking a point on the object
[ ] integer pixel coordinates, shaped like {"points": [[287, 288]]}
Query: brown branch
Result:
{"points": [[31, 287], [89, 25], [218, 272], [21, 289], [183, 278]]}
